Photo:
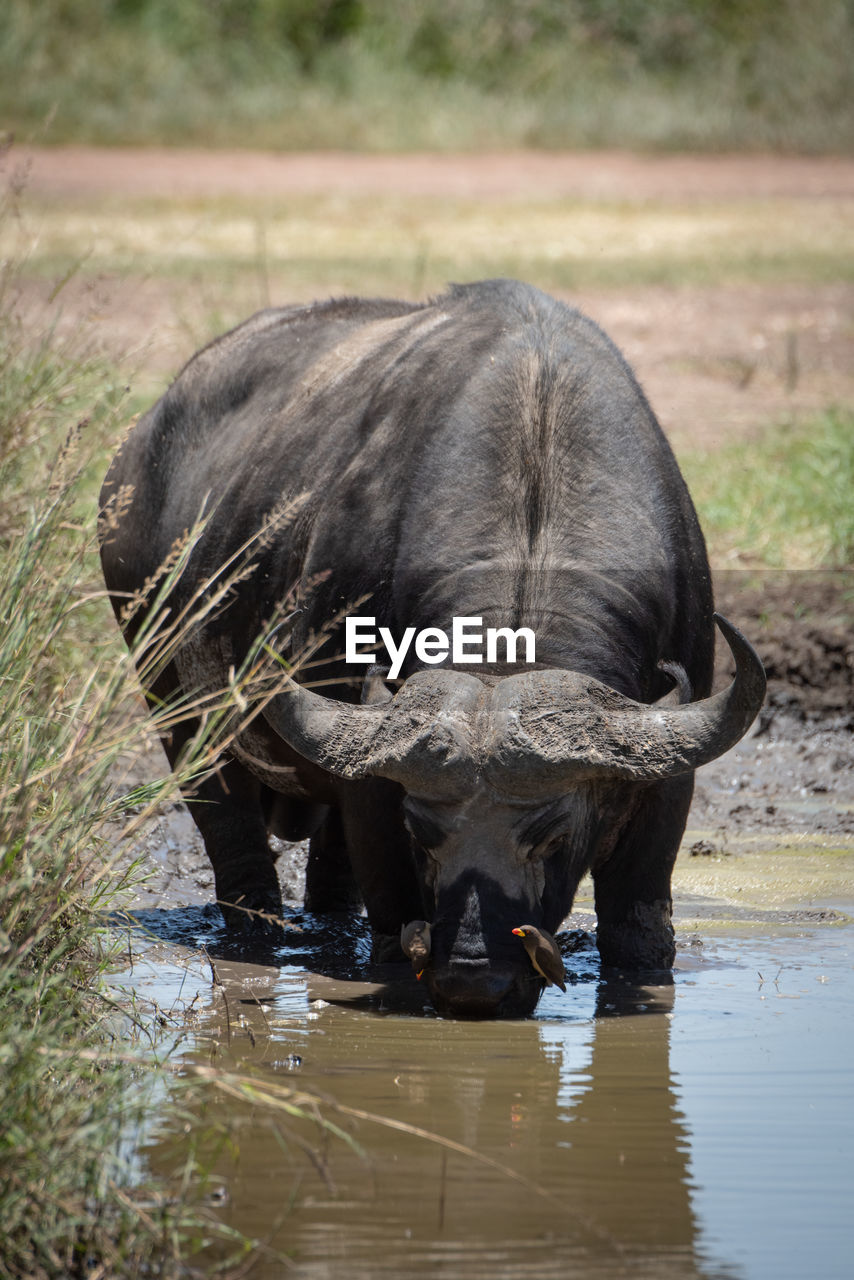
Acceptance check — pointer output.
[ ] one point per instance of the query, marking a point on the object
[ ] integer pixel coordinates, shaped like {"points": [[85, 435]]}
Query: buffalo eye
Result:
{"points": [[422, 829], [547, 847], [545, 832]]}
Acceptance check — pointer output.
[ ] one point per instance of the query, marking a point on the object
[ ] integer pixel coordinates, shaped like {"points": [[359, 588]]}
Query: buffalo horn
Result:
{"points": [[335, 735], [555, 727], [417, 735], [548, 728]]}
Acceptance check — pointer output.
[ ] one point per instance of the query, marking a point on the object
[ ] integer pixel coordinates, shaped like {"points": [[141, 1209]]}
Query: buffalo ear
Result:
{"points": [[680, 692], [375, 691]]}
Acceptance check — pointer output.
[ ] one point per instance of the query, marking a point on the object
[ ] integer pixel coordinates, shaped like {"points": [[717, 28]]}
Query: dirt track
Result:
{"points": [[591, 175]]}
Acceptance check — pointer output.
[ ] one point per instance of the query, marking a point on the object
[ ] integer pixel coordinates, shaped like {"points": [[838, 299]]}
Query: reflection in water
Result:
{"points": [[582, 1111]]}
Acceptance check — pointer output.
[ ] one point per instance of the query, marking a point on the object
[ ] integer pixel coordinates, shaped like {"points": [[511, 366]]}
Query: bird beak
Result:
{"points": [[520, 933]]}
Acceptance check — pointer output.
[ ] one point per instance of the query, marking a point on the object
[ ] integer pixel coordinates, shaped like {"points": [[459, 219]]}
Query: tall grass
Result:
{"points": [[391, 74], [68, 1095]]}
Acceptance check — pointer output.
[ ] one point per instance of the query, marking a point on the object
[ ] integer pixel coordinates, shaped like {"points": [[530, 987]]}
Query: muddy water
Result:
{"points": [[700, 1129], [703, 1129]]}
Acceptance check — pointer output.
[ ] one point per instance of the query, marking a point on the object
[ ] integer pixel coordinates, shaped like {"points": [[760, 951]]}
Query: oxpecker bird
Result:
{"points": [[415, 943], [544, 954]]}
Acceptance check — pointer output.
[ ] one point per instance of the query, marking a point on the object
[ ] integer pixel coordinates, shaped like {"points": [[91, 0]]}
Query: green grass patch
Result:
{"points": [[783, 500], [420, 273]]}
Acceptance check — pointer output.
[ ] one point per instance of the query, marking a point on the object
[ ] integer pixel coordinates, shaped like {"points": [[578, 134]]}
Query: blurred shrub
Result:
{"points": [[376, 72]]}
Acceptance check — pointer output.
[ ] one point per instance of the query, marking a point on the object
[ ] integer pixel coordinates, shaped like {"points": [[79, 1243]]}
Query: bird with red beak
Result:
{"points": [[544, 954]]}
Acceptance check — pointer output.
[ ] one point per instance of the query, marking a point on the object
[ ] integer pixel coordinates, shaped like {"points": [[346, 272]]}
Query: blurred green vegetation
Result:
{"points": [[391, 74]]}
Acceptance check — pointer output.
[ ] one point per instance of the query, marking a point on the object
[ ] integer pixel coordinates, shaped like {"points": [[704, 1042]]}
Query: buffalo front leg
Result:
{"points": [[227, 810], [381, 857], [634, 907], [329, 881]]}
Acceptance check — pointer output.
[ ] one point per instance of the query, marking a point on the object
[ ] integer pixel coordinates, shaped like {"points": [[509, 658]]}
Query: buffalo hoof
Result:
{"points": [[643, 941], [386, 948], [254, 915]]}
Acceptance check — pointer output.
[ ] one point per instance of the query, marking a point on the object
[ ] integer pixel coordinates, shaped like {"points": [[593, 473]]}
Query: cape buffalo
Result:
{"points": [[486, 455]]}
